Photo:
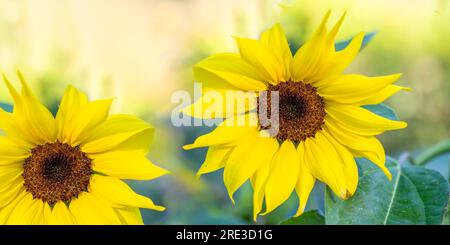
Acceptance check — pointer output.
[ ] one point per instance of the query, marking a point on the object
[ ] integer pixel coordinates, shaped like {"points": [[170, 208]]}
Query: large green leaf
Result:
{"points": [[311, 217], [414, 196]]}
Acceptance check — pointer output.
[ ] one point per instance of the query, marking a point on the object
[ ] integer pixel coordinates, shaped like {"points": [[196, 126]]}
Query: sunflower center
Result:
{"points": [[56, 172], [301, 110]]}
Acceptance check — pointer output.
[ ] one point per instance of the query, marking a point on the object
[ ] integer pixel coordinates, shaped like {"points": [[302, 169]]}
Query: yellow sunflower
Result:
{"points": [[68, 169], [322, 125]]}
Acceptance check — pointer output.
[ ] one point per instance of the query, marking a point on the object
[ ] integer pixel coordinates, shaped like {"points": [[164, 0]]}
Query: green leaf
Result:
{"points": [[367, 38], [311, 217], [6, 107], [382, 110], [414, 196]]}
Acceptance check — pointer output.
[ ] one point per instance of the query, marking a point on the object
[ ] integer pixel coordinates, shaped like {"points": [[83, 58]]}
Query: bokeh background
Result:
{"points": [[141, 51]]}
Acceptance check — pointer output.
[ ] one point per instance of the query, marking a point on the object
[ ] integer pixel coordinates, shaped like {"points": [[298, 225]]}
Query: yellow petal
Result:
{"points": [[89, 117], [313, 55], [283, 176], [221, 104], [114, 131], [5, 211], [382, 95], [28, 211], [352, 89], [30, 119], [340, 60], [126, 165], [359, 120], [228, 132], [119, 194], [13, 132], [334, 31], [323, 161], [61, 215], [69, 108], [89, 209], [129, 216], [215, 159], [39, 119], [276, 41], [258, 181], [259, 56], [349, 164], [229, 68], [305, 181], [361, 146], [11, 153], [245, 159], [11, 183]]}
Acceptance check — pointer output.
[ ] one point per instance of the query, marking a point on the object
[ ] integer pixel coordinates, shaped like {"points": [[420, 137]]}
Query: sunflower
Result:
{"points": [[68, 169], [322, 126]]}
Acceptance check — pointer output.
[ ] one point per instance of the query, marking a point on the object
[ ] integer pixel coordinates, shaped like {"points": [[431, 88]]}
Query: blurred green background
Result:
{"points": [[141, 51]]}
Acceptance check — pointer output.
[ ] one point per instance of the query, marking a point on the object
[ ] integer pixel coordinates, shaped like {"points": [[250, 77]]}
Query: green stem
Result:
{"points": [[432, 152]]}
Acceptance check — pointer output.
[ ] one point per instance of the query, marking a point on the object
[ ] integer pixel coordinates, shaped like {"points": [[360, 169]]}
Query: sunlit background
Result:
{"points": [[141, 51]]}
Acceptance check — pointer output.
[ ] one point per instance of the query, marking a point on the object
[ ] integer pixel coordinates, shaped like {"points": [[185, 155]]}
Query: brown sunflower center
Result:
{"points": [[301, 110], [56, 172]]}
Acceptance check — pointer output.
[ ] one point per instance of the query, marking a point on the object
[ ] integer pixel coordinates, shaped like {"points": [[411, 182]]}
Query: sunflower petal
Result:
{"points": [[130, 216], [341, 60], [349, 164], [258, 181], [259, 56], [11, 183], [126, 165], [325, 164], [283, 176], [115, 130], [383, 94], [5, 211], [359, 120], [30, 119], [39, 119], [69, 108], [313, 55], [215, 159], [13, 130], [61, 215], [361, 146], [305, 181], [228, 132], [89, 117], [120, 194], [89, 209], [275, 40], [229, 68], [11, 153], [245, 159], [27, 211], [221, 104], [352, 88]]}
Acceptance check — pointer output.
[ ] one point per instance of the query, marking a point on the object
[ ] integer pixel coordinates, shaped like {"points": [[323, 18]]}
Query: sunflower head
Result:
{"points": [[322, 125], [68, 169]]}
